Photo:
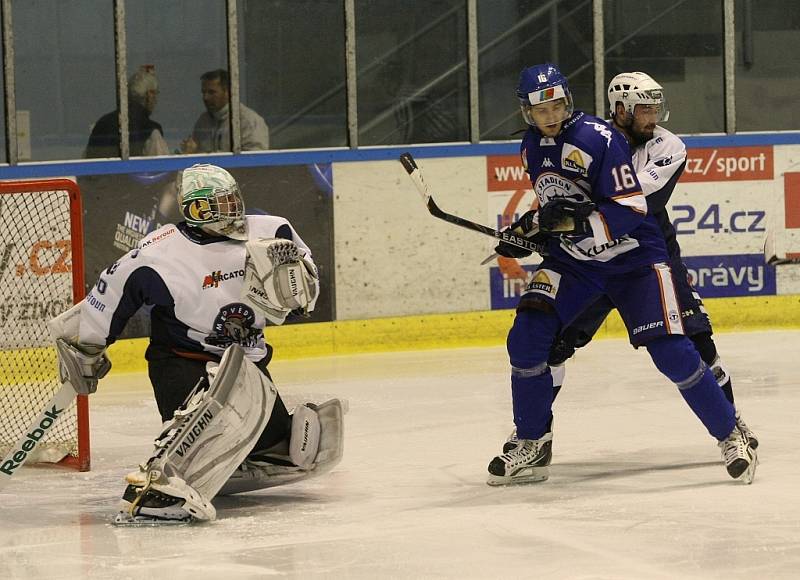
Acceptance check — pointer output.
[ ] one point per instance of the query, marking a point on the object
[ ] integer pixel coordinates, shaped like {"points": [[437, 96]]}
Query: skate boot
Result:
{"points": [[740, 457], [527, 462], [512, 440], [153, 499], [751, 437]]}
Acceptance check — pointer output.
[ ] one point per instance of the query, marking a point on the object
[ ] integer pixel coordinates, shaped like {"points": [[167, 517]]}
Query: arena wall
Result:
{"points": [[400, 279]]}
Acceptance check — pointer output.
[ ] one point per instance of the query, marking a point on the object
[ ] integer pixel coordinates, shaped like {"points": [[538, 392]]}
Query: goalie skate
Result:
{"points": [[528, 462], [154, 509]]}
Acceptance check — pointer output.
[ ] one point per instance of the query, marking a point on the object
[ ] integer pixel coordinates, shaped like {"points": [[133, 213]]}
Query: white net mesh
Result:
{"points": [[35, 285]]}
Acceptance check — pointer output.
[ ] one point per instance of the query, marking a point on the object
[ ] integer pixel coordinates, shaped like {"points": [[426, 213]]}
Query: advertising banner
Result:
{"points": [[731, 275]]}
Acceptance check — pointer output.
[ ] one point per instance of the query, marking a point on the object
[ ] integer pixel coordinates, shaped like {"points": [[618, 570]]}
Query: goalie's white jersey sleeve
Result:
{"points": [[192, 286]]}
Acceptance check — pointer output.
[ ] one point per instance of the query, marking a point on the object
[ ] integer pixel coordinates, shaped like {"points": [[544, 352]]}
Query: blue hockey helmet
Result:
{"points": [[540, 84]]}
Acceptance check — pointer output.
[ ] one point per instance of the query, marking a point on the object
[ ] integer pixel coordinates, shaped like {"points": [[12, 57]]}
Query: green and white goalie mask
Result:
{"points": [[210, 200]]}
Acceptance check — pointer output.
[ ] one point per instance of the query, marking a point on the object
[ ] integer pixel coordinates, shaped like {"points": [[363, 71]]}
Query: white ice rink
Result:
{"points": [[637, 488]]}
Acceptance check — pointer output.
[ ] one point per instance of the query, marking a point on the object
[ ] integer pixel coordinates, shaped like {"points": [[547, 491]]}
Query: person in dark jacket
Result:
{"points": [[146, 135]]}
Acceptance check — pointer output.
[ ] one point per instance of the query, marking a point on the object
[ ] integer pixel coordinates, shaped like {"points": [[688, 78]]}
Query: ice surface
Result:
{"points": [[637, 488]]}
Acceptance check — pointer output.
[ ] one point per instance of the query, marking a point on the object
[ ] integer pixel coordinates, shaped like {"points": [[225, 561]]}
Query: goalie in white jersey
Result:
{"points": [[212, 283]]}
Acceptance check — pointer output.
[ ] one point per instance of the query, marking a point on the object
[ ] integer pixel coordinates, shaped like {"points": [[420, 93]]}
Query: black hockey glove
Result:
{"points": [[564, 216], [523, 226]]}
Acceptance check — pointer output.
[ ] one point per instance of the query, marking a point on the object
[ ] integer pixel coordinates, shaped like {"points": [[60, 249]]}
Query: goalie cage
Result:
{"points": [[41, 275]]}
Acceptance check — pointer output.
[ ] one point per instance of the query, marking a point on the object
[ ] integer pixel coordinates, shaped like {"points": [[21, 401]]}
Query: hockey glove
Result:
{"points": [[82, 365], [564, 216], [527, 227]]}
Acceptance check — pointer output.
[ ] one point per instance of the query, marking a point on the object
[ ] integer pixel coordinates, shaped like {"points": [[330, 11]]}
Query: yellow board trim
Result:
{"points": [[432, 331], [463, 329]]}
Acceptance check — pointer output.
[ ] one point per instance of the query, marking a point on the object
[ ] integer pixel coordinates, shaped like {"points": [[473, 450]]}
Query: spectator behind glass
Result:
{"points": [[146, 136], [212, 130]]}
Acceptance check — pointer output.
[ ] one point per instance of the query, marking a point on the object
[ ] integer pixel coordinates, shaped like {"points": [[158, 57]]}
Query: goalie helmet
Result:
{"points": [[540, 84], [210, 200], [637, 88]]}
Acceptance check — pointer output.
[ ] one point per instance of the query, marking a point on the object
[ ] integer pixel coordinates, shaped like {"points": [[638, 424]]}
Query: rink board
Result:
{"points": [[468, 329]]}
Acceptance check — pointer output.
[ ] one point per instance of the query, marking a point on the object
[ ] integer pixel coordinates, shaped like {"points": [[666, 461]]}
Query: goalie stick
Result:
{"points": [[506, 235], [52, 412]]}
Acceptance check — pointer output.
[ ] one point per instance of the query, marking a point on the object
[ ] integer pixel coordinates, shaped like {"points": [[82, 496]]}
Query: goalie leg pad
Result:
{"points": [[256, 474], [207, 440]]}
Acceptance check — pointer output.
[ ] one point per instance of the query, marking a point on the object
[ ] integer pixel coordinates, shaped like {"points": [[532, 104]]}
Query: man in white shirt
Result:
{"points": [[212, 130]]}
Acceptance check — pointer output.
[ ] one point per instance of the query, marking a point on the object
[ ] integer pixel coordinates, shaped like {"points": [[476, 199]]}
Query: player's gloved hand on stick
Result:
{"points": [[564, 216], [524, 226]]}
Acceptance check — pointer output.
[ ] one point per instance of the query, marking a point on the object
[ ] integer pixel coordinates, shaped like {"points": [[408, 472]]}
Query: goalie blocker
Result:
{"points": [[203, 450]]}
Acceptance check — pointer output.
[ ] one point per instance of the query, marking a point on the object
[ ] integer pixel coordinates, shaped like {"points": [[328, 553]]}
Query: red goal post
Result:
{"points": [[41, 275]]}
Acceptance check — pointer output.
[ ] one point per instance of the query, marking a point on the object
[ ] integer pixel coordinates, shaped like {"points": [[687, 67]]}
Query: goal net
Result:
{"points": [[41, 275]]}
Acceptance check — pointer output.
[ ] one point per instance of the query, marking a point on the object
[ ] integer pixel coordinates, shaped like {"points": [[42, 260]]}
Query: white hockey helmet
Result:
{"points": [[210, 200], [637, 88]]}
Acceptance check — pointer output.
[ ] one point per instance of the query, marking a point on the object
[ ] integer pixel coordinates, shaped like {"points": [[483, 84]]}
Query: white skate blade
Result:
{"points": [[124, 519], [524, 475]]}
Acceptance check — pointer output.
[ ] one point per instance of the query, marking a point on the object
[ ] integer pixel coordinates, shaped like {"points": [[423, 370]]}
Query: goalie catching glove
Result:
{"points": [[279, 279]]}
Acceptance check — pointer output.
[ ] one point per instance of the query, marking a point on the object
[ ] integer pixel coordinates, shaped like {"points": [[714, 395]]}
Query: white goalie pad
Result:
{"points": [[317, 442], [209, 437], [279, 279]]}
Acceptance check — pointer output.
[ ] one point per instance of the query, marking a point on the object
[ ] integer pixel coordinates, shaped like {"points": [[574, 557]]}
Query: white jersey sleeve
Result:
{"points": [[658, 165]]}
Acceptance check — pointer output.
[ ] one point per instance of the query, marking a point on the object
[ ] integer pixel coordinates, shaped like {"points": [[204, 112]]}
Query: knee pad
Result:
{"points": [[677, 359], [531, 337], [705, 346]]}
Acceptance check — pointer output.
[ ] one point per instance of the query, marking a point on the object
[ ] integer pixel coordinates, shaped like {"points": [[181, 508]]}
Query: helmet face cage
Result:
{"points": [[541, 84], [211, 200], [637, 88]]}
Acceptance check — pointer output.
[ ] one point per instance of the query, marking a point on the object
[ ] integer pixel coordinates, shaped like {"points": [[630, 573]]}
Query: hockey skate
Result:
{"points": [[141, 507], [527, 462], [739, 455], [746, 431], [152, 499], [512, 440]]}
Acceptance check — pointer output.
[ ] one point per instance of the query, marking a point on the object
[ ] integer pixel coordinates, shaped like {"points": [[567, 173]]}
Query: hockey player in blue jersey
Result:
{"points": [[637, 104], [599, 240]]}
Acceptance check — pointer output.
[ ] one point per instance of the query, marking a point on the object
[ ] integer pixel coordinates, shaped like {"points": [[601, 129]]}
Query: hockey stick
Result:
{"points": [[506, 235], [40, 426]]}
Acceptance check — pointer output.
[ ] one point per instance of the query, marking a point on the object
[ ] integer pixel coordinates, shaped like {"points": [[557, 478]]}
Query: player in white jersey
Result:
{"points": [[637, 104], [211, 284]]}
